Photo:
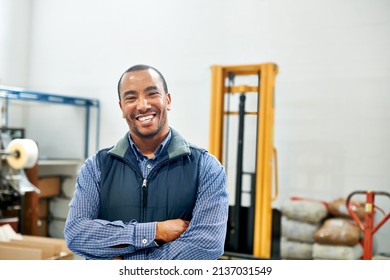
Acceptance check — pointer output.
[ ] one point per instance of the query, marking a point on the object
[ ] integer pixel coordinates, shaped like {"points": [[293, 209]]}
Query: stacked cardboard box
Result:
{"points": [[50, 187], [26, 247]]}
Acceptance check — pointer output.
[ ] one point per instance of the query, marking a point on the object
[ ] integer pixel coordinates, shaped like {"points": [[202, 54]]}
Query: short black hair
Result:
{"points": [[140, 67]]}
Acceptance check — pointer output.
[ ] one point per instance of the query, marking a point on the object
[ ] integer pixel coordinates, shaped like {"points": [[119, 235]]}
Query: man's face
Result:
{"points": [[144, 103]]}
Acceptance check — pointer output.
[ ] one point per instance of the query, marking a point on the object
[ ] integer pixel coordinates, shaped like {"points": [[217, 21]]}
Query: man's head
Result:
{"points": [[140, 67], [144, 100]]}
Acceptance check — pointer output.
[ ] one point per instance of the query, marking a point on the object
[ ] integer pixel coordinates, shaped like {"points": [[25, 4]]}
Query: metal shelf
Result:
{"points": [[21, 94], [53, 162]]}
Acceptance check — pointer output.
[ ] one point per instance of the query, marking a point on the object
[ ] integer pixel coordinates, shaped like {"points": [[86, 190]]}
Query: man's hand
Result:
{"points": [[170, 230]]}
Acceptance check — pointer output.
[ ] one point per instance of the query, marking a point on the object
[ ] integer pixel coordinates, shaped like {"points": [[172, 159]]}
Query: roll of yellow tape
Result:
{"points": [[23, 153]]}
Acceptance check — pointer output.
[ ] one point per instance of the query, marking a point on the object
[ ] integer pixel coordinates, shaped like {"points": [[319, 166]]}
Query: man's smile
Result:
{"points": [[145, 118]]}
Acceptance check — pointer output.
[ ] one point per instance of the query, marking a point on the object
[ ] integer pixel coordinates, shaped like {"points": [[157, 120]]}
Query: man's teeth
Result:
{"points": [[144, 119]]}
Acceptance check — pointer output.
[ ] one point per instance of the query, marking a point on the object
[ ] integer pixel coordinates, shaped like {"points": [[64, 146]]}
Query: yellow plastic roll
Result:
{"points": [[22, 153]]}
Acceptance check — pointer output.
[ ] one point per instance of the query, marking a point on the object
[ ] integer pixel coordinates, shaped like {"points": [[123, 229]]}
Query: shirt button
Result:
{"points": [[149, 166], [144, 241]]}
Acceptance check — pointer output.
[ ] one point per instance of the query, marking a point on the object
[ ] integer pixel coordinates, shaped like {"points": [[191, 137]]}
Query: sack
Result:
{"points": [[336, 252], [338, 231], [338, 208], [298, 231], [295, 250], [304, 210]]}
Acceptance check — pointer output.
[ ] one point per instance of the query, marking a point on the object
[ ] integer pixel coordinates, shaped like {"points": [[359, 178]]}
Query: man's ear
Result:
{"points": [[120, 106], [168, 101]]}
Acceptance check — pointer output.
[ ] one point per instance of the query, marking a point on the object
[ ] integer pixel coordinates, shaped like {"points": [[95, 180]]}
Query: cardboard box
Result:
{"points": [[49, 186], [43, 206], [13, 222], [8, 252], [35, 248], [42, 227]]}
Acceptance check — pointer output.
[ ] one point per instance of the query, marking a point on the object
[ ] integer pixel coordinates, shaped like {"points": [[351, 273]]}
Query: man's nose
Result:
{"points": [[143, 104]]}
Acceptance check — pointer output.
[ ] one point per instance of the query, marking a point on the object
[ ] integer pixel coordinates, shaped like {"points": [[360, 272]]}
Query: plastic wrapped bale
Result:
{"points": [[337, 252], [295, 230], [338, 231], [294, 250], [304, 210]]}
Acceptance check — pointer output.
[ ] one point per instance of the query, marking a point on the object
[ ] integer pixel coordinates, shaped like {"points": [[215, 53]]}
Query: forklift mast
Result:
{"points": [[249, 227]]}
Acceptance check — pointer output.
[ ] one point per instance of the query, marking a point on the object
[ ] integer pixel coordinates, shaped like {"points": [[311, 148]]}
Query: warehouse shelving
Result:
{"points": [[31, 216], [14, 93]]}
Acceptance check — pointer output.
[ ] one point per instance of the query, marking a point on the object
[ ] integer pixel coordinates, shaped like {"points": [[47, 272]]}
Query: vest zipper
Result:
{"points": [[144, 199], [144, 191], [144, 188]]}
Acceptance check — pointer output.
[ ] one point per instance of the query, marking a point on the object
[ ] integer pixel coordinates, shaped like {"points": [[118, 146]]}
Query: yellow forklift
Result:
{"points": [[241, 137]]}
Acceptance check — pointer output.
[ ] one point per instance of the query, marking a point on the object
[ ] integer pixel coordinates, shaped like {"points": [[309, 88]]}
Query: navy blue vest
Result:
{"points": [[169, 192]]}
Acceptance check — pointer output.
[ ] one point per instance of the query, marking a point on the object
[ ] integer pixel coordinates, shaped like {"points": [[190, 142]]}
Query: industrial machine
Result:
{"points": [[17, 153], [241, 137]]}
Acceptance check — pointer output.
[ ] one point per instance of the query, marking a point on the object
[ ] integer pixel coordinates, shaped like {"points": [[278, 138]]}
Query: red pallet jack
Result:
{"points": [[368, 226]]}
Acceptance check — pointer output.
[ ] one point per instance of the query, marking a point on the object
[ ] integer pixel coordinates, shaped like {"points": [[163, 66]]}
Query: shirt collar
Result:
{"points": [[161, 148]]}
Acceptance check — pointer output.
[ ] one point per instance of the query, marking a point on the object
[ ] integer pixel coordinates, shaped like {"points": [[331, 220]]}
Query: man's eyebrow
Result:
{"points": [[129, 92], [151, 88]]}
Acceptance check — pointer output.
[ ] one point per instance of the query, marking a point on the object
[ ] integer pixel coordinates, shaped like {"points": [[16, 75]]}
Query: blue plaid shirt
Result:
{"points": [[144, 163], [94, 238]]}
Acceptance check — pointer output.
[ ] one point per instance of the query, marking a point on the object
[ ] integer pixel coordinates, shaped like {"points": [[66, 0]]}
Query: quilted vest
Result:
{"points": [[169, 191]]}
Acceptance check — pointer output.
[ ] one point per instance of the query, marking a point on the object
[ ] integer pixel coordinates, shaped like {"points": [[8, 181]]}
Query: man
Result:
{"points": [[152, 195]]}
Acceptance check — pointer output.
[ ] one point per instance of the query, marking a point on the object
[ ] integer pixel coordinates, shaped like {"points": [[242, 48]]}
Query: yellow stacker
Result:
{"points": [[250, 227]]}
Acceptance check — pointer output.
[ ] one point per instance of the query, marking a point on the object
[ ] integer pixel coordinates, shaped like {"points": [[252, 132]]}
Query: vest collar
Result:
{"points": [[178, 146]]}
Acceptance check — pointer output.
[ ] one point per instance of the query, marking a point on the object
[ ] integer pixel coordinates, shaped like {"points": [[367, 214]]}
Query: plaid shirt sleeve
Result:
{"points": [[93, 238]]}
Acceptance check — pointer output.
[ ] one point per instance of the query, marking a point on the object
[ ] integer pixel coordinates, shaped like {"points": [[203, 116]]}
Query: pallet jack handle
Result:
{"points": [[368, 226]]}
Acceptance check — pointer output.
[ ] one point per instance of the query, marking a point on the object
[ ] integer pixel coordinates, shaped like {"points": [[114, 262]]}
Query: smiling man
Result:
{"points": [[153, 195], [145, 101]]}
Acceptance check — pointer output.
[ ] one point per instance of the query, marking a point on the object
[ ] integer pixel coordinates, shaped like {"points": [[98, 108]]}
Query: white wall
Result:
{"points": [[332, 91], [82, 47], [15, 22]]}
